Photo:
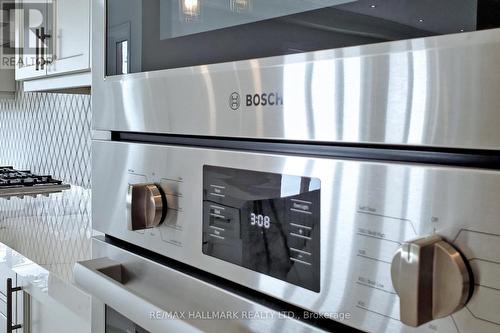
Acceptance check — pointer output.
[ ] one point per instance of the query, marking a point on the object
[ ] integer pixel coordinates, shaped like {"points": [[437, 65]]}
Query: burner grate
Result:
{"points": [[20, 183]]}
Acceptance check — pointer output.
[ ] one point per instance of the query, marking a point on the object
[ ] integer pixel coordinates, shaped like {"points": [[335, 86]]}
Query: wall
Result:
{"points": [[48, 134]]}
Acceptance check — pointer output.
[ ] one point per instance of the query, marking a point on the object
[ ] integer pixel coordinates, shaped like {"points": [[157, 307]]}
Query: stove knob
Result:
{"points": [[147, 206], [431, 279]]}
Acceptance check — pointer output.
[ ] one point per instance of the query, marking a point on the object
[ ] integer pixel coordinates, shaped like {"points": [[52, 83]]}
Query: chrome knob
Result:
{"points": [[147, 206], [431, 279]]}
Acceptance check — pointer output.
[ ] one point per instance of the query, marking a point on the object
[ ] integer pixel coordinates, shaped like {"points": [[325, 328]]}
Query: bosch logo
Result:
{"points": [[234, 101], [264, 99]]}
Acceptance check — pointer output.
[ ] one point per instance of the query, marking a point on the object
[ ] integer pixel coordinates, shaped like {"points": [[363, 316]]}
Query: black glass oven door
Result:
{"points": [[148, 35], [116, 323]]}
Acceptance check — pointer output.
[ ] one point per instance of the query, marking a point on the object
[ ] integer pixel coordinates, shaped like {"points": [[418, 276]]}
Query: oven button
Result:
{"points": [[300, 231], [297, 243], [146, 205], [300, 255], [431, 279]]}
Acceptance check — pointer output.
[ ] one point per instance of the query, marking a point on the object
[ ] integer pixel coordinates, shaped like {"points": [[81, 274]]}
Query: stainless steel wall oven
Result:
{"points": [[333, 164]]}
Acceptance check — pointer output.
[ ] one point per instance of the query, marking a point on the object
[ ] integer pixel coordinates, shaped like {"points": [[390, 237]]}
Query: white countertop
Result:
{"points": [[41, 239]]}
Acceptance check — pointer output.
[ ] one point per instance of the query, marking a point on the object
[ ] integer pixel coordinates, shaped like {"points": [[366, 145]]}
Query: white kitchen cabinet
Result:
{"points": [[3, 324], [71, 42], [62, 58], [17, 305], [7, 83], [29, 20], [54, 318], [35, 311]]}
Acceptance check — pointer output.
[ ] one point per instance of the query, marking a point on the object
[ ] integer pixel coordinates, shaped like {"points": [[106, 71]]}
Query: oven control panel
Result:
{"points": [[266, 222], [383, 247]]}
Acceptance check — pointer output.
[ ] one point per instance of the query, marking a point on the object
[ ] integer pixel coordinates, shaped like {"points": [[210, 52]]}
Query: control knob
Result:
{"points": [[431, 278], [147, 206]]}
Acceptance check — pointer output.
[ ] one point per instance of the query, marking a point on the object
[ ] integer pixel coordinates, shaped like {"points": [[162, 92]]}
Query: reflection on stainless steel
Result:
{"points": [[410, 92], [431, 279], [368, 210], [146, 206], [191, 9], [240, 6]]}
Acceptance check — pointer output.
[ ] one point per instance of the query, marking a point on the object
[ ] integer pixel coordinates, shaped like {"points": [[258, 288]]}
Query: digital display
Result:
{"points": [[266, 222], [262, 221]]}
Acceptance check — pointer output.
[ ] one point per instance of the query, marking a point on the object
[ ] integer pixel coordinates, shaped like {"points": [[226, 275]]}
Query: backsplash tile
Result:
{"points": [[48, 134]]}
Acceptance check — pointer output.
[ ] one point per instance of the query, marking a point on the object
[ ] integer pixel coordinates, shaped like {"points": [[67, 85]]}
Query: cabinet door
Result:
{"points": [[70, 41], [53, 317], [16, 307], [3, 324], [29, 20]]}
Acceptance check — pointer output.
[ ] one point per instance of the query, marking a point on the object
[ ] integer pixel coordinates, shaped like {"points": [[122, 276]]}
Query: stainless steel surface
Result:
{"points": [[146, 206], [368, 210], [32, 191], [20, 183], [451, 282], [22, 192], [136, 287], [436, 91], [11, 327], [431, 279]]}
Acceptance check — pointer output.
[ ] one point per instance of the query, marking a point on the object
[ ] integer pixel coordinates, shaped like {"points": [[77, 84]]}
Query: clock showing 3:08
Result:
{"points": [[261, 221]]}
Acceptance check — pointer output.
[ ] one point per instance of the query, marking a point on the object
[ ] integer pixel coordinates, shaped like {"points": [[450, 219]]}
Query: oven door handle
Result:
{"points": [[106, 280]]}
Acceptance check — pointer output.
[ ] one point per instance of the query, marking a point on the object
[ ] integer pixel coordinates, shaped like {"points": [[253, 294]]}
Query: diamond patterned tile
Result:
{"points": [[48, 134]]}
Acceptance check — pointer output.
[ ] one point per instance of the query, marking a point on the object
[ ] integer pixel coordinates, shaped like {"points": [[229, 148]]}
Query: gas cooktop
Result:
{"points": [[20, 183]]}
